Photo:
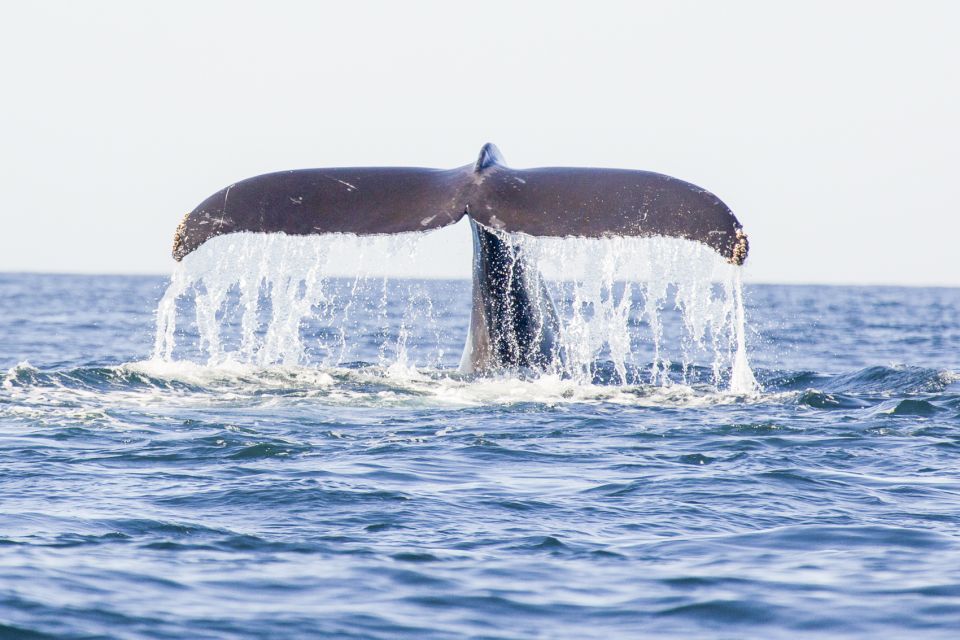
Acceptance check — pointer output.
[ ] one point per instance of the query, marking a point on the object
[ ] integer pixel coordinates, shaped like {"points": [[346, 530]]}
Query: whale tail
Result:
{"points": [[553, 201], [514, 324]]}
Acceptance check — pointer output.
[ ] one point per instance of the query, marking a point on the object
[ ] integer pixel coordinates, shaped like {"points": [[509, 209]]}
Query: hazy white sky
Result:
{"points": [[831, 128]]}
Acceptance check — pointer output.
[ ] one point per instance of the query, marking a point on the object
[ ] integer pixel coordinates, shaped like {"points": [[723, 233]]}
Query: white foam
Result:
{"points": [[409, 387]]}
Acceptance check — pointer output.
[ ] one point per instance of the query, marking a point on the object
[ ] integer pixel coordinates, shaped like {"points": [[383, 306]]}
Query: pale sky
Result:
{"points": [[832, 129]]}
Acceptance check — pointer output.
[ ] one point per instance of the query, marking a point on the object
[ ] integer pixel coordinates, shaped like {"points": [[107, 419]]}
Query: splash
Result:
{"points": [[634, 311], [676, 301]]}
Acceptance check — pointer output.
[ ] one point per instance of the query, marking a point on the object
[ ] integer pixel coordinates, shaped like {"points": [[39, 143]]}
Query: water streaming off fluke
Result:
{"points": [[633, 311]]}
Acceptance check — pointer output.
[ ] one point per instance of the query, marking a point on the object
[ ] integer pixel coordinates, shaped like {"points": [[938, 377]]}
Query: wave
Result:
{"points": [[921, 391], [895, 379]]}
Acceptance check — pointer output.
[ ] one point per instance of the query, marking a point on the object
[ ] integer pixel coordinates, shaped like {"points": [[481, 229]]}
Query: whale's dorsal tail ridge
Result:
{"points": [[556, 201], [489, 156]]}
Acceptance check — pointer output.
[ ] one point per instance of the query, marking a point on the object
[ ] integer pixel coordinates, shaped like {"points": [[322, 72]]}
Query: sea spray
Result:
{"points": [[634, 311]]}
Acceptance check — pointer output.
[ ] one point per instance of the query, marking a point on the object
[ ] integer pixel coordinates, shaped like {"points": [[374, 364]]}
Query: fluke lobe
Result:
{"points": [[513, 324]]}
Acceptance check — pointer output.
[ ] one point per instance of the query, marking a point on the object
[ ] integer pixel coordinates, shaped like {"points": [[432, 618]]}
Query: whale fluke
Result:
{"points": [[514, 324], [557, 201], [363, 201]]}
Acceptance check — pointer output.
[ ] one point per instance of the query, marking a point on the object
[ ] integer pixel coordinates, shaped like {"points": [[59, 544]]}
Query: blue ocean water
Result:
{"points": [[170, 500]]}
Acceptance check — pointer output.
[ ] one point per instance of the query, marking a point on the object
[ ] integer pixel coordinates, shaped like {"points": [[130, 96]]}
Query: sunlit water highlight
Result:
{"points": [[361, 495]]}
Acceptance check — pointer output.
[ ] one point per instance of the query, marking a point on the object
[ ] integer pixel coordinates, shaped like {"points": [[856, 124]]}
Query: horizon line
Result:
{"points": [[747, 280]]}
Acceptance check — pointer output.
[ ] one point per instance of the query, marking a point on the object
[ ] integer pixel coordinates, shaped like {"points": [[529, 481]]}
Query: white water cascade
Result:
{"points": [[655, 310]]}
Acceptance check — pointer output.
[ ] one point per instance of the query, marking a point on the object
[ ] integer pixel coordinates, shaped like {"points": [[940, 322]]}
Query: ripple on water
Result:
{"points": [[366, 500]]}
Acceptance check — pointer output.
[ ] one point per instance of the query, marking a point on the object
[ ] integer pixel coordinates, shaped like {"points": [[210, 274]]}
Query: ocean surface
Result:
{"points": [[375, 493]]}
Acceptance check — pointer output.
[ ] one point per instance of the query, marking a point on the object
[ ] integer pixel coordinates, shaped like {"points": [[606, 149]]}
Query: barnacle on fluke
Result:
{"points": [[740, 248], [179, 239]]}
